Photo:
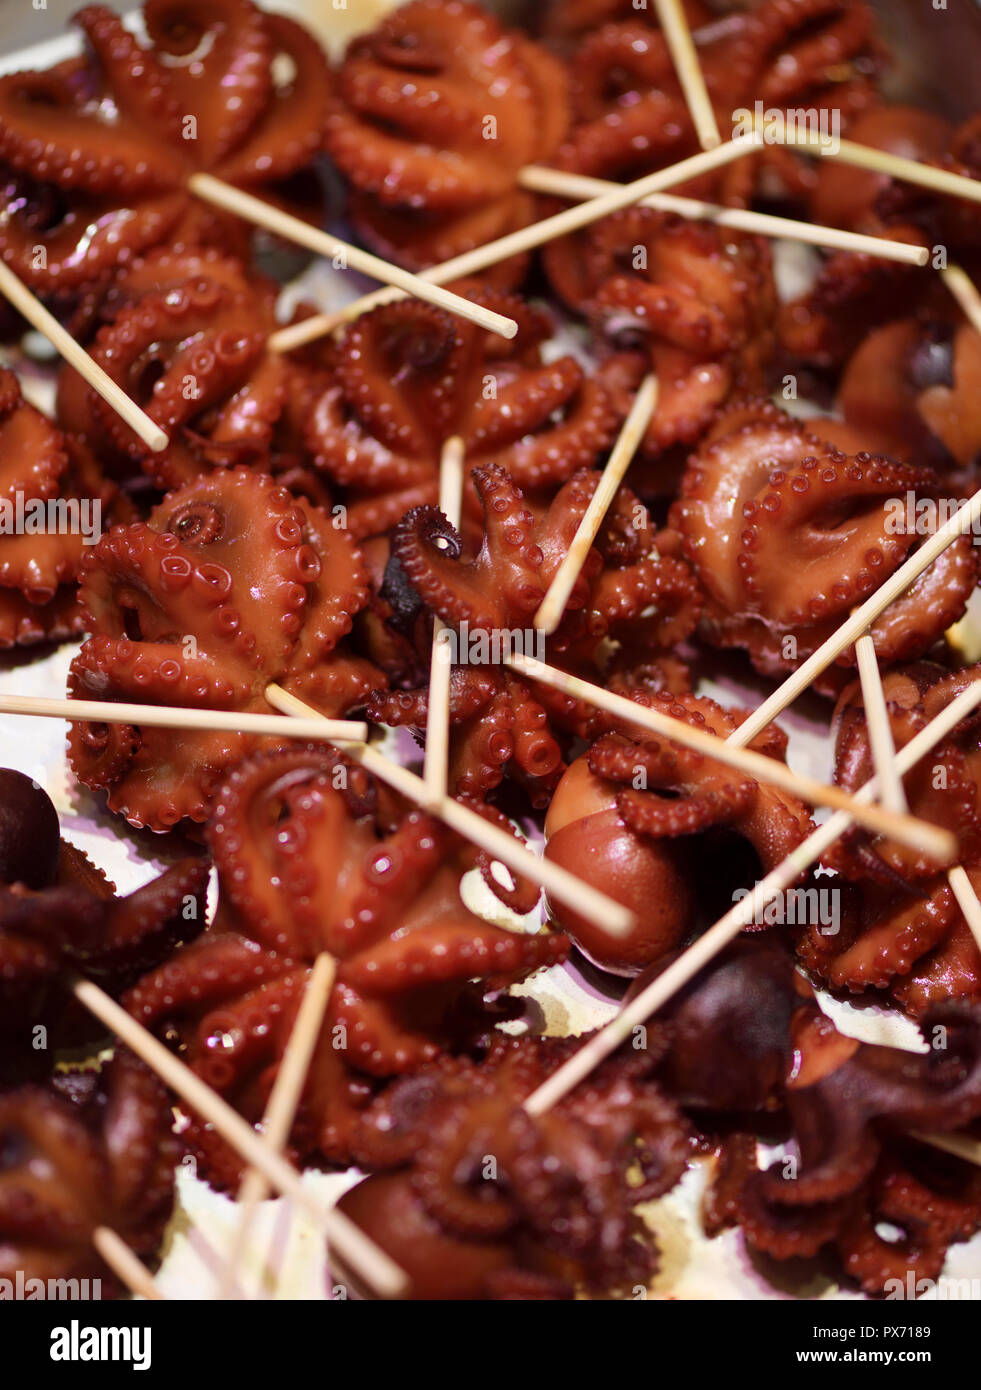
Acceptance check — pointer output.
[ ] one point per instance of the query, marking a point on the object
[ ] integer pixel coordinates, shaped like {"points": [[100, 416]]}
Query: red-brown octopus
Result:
{"points": [[912, 389], [478, 1199], [856, 1179], [636, 815], [86, 1151], [748, 1055], [312, 857], [52, 495], [698, 302], [186, 340], [408, 376], [902, 929], [853, 294], [500, 720], [60, 917], [631, 116], [97, 150], [231, 584], [787, 534], [435, 112]]}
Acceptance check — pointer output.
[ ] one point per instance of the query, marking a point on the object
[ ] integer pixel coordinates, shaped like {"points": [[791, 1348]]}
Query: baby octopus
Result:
{"points": [[902, 929], [787, 534], [231, 584], [59, 486], [635, 814], [408, 376], [96, 151], [625, 590], [312, 856], [700, 304], [434, 113]]}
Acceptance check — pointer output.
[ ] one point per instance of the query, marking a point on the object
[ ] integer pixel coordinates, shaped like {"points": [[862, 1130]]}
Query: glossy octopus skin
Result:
{"points": [[408, 376], [232, 583], [554, 1211], [745, 1051], [86, 1151], [898, 909], [634, 815], [61, 489], [699, 304], [186, 340], [435, 111], [851, 1108], [631, 116], [500, 720], [852, 294], [911, 387], [100, 148], [75, 924], [311, 856], [787, 534]]}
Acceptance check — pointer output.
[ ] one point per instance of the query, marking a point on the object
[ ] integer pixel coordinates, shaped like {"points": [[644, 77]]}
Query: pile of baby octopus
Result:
{"points": [[290, 533]]}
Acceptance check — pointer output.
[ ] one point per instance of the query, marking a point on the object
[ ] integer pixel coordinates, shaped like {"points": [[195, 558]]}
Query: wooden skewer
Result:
{"points": [[880, 730], [556, 880], [562, 185], [965, 292], [225, 195], [168, 717], [552, 607], [526, 238], [963, 521], [688, 964], [436, 758], [128, 1268], [38, 316], [689, 70], [967, 900], [881, 162], [884, 761], [282, 1106], [909, 831], [306, 723], [961, 1145], [356, 1248]]}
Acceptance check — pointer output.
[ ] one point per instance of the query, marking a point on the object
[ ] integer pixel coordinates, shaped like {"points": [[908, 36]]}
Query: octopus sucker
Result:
{"points": [[213, 598]]}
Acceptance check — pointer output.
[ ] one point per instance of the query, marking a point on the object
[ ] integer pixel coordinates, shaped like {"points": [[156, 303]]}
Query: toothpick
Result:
{"points": [[225, 195], [907, 830], [75, 355], [884, 760], [881, 162], [965, 292], [436, 757], [175, 717], [560, 184], [125, 1264], [963, 521], [526, 238], [557, 881], [967, 900], [688, 68], [306, 723], [356, 1248], [552, 607], [880, 730], [282, 1106], [748, 910], [960, 1145]]}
